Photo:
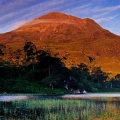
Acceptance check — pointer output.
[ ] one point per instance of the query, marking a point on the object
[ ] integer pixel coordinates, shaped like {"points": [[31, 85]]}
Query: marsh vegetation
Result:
{"points": [[61, 109]]}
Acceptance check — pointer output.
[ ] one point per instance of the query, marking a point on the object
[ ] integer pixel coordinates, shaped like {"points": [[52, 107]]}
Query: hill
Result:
{"points": [[78, 40]]}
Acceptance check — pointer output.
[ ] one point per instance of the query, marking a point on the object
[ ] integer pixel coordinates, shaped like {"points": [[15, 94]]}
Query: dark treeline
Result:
{"points": [[41, 72]]}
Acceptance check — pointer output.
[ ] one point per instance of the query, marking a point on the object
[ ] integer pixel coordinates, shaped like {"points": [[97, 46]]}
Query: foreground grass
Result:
{"points": [[61, 109]]}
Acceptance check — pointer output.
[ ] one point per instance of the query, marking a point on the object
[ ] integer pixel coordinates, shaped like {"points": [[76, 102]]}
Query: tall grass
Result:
{"points": [[61, 109]]}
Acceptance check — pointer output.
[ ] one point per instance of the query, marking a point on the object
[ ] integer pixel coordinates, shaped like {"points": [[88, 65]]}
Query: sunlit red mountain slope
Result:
{"points": [[79, 40]]}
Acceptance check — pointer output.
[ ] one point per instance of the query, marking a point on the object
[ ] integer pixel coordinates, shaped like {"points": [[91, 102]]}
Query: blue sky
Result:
{"points": [[14, 13]]}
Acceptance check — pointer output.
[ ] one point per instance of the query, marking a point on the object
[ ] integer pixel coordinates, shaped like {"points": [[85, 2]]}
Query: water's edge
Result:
{"points": [[65, 96]]}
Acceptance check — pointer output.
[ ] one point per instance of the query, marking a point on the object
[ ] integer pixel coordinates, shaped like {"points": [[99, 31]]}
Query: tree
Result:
{"points": [[116, 81], [80, 78], [30, 53], [17, 56], [50, 70], [48, 62], [83, 67], [117, 77], [98, 75], [2, 50], [54, 81]]}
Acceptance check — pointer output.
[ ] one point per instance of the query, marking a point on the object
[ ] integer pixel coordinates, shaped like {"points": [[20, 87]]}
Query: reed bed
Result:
{"points": [[61, 109]]}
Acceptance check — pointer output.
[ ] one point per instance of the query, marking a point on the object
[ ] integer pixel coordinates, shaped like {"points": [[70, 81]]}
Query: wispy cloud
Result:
{"points": [[11, 26], [97, 13], [39, 21], [105, 14], [106, 18], [79, 10], [28, 12], [13, 5], [13, 12], [34, 10], [108, 9], [17, 24]]}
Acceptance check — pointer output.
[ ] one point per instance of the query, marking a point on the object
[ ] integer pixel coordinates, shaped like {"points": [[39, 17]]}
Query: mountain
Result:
{"points": [[78, 40]]}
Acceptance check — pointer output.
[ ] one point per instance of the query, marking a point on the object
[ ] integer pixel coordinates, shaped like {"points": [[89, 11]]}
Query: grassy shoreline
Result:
{"points": [[60, 109]]}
